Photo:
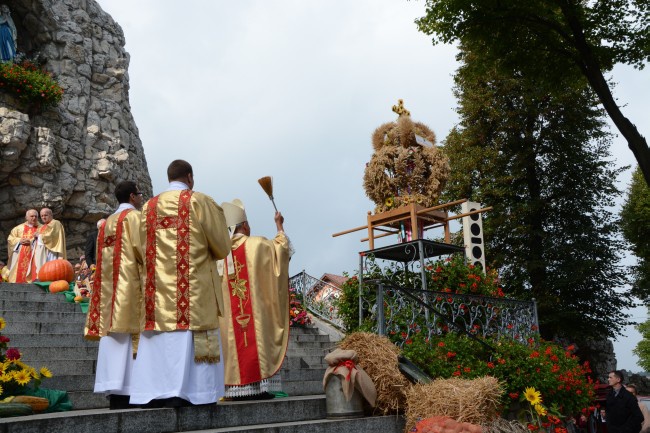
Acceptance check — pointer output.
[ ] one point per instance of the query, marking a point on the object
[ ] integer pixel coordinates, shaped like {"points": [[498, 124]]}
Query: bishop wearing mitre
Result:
{"points": [[255, 324]]}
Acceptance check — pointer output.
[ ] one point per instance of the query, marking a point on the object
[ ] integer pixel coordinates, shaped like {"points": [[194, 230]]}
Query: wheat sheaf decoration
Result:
{"points": [[406, 166], [266, 183]]}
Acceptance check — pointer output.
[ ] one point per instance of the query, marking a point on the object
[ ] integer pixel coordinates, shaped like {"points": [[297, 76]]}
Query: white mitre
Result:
{"points": [[234, 212]]}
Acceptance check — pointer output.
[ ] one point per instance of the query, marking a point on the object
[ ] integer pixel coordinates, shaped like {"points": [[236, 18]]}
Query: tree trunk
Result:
{"points": [[592, 71]]}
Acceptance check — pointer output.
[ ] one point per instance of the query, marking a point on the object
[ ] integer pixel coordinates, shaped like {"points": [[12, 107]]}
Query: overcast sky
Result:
{"points": [[293, 90]]}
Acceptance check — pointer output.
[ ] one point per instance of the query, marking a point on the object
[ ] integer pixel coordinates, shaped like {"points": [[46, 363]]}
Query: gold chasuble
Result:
{"points": [[255, 330], [183, 234], [53, 236], [116, 301], [22, 268]]}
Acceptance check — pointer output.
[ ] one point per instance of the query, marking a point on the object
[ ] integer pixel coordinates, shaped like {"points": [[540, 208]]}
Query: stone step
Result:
{"points": [[305, 362], [36, 327], [221, 415], [54, 305], [304, 387], [14, 316], [87, 400], [302, 374], [60, 367], [378, 424], [45, 353], [71, 382], [50, 340]]}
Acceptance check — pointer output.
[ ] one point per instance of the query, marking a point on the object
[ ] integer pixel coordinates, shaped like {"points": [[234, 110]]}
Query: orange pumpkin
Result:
{"points": [[59, 269], [78, 298], [59, 286]]}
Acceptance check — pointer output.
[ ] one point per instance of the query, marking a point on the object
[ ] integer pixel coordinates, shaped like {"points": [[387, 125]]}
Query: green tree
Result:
{"points": [[635, 221], [539, 158], [551, 40], [642, 349]]}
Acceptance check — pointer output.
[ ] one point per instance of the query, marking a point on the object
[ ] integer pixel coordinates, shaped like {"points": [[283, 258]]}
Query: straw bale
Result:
{"points": [[473, 401], [378, 357]]}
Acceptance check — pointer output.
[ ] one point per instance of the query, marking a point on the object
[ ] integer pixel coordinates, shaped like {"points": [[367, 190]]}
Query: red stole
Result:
{"points": [[243, 323], [26, 267], [180, 222]]}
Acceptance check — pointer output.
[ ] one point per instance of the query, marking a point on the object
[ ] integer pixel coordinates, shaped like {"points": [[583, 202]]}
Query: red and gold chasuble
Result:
{"points": [[93, 321], [26, 269], [243, 323]]}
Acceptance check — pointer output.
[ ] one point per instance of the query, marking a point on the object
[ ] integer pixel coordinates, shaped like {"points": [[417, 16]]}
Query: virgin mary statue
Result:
{"points": [[8, 35]]}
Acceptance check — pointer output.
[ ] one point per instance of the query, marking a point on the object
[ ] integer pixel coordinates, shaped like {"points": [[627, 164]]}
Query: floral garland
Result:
{"points": [[298, 316]]}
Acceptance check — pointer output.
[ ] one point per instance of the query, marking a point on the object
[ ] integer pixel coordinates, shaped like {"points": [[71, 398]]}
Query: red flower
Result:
{"points": [[441, 344], [409, 341], [514, 395], [4, 339], [451, 355], [490, 365], [532, 427], [456, 373], [534, 354], [12, 354]]}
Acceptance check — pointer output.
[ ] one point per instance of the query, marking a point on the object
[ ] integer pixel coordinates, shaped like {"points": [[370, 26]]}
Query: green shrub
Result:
{"points": [[30, 83]]}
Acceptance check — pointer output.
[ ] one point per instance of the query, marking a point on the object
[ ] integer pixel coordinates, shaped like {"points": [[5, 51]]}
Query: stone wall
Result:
{"points": [[69, 158]]}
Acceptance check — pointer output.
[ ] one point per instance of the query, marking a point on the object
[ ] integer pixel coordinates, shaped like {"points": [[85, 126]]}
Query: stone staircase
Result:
{"points": [[48, 331]]}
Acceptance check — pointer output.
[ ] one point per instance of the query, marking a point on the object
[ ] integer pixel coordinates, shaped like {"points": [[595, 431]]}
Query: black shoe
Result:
{"points": [[262, 396], [118, 402], [156, 403], [177, 402]]}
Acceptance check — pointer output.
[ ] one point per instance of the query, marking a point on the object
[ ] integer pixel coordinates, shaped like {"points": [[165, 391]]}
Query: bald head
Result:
{"points": [[46, 215]]}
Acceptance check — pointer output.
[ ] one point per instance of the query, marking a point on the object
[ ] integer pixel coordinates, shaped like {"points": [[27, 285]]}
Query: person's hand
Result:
{"points": [[279, 221], [25, 241]]}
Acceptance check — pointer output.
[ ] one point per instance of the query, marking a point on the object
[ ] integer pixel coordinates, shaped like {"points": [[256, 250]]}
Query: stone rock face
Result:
{"points": [[68, 158]]}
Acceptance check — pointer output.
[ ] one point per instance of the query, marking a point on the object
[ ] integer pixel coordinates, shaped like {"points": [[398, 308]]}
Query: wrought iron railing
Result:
{"points": [[391, 310], [318, 297]]}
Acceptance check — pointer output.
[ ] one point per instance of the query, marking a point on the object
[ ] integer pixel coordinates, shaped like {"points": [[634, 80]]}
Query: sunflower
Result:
{"points": [[541, 410], [389, 202], [6, 377], [22, 377], [2, 323], [533, 396], [45, 372]]}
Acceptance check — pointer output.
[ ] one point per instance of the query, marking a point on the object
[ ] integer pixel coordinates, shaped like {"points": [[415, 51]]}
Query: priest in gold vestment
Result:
{"points": [[51, 240], [20, 246], [183, 234], [255, 327], [115, 313]]}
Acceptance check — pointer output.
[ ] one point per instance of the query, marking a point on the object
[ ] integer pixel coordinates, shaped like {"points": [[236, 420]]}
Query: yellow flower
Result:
{"points": [[22, 377], [389, 202], [533, 396], [45, 372], [2, 323], [541, 410], [6, 377]]}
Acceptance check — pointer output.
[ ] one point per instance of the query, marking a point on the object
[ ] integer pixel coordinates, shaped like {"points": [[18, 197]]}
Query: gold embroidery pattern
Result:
{"points": [[240, 290]]}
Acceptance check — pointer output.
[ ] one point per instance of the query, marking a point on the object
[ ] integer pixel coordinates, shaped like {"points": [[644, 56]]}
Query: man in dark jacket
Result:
{"points": [[91, 244], [623, 413]]}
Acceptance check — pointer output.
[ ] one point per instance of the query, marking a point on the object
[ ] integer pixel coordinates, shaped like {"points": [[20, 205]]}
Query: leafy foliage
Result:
{"points": [[635, 221], [553, 43], [642, 349], [553, 370], [30, 83], [538, 157]]}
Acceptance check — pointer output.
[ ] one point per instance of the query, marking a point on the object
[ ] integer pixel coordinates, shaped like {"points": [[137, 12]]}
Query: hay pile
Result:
{"points": [[378, 357], [500, 425], [473, 401]]}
